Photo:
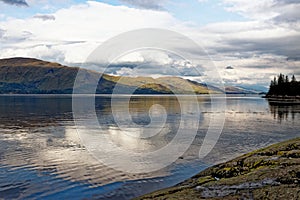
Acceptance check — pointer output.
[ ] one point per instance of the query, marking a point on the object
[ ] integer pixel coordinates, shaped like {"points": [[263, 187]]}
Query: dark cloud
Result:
{"points": [[146, 4], [15, 2], [293, 58], [44, 17], [287, 46], [229, 67], [260, 67], [289, 11], [283, 2], [275, 11]]}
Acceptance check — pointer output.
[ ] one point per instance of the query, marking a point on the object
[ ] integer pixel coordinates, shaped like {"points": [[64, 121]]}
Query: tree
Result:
{"points": [[294, 79], [275, 81], [280, 79], [281, 86]]}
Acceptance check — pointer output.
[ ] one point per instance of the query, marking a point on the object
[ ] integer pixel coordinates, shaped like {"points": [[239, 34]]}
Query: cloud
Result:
{"points": [[146, 4], [263, 45], [91, 23], [150, 69], [15, 2], [2, 32], [256, 9], [44, 17], [8, 39], [275, 10], [285, 45], [149, 63], [267, 42], [229, 67], [259, 67]]}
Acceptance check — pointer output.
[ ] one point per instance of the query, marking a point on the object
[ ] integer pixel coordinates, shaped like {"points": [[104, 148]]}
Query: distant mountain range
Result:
{"points": [[33, 76], [240, 90]]}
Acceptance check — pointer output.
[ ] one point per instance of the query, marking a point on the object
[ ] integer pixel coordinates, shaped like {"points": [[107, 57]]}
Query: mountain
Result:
{"points": [[33, 76], [240, 90]]}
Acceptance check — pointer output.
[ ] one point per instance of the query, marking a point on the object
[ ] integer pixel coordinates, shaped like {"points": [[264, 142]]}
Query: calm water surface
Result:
{"points": [[41, 155]]}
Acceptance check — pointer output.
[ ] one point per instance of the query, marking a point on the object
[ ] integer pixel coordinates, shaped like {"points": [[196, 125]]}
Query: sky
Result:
{"points": [[248, 41]]}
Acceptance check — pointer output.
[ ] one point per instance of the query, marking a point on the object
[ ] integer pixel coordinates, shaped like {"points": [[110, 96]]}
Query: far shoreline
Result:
{"points": [[283, 100]]}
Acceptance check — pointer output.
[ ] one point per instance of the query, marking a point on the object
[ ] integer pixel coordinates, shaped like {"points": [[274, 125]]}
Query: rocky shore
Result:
{"points": [[269, 173]]}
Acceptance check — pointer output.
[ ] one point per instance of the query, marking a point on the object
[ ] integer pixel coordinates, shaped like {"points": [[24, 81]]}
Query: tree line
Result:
{"points": [[283, 86]]}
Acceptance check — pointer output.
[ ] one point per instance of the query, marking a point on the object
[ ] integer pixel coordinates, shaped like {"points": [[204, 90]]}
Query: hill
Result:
{"points": [[240, 90], [33, 76]]}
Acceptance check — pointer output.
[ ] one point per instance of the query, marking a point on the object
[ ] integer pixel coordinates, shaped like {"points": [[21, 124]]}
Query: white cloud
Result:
{"points": [[132, 57], [266, 44], [91, 23], [284, 10], [255, 9]]}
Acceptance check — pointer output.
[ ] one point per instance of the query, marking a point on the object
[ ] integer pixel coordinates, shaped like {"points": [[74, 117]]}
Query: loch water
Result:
{"points": [[42, 155]]}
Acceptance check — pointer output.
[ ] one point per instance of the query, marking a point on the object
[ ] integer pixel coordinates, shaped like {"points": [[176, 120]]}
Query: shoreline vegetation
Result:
{"points": [[269, 173], [283, 90]]}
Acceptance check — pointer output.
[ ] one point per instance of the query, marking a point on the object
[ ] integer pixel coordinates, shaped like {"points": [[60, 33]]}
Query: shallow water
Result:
{"points": [[42, 155]]}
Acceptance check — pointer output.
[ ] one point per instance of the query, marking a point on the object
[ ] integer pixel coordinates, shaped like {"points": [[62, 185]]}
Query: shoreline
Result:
{"points": [[272, 172], [283, 100], [282, 97]]}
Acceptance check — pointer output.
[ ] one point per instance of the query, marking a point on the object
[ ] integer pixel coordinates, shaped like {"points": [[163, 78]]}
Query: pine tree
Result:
{"points": [[282, 86], [275, 81], [280, 79], [287, 79], [294, 79]]}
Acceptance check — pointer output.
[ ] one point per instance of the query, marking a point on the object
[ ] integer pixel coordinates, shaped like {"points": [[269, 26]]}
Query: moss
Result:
{"points": [[279, 163], [205, 179], [292, 154], [227, 172]]}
